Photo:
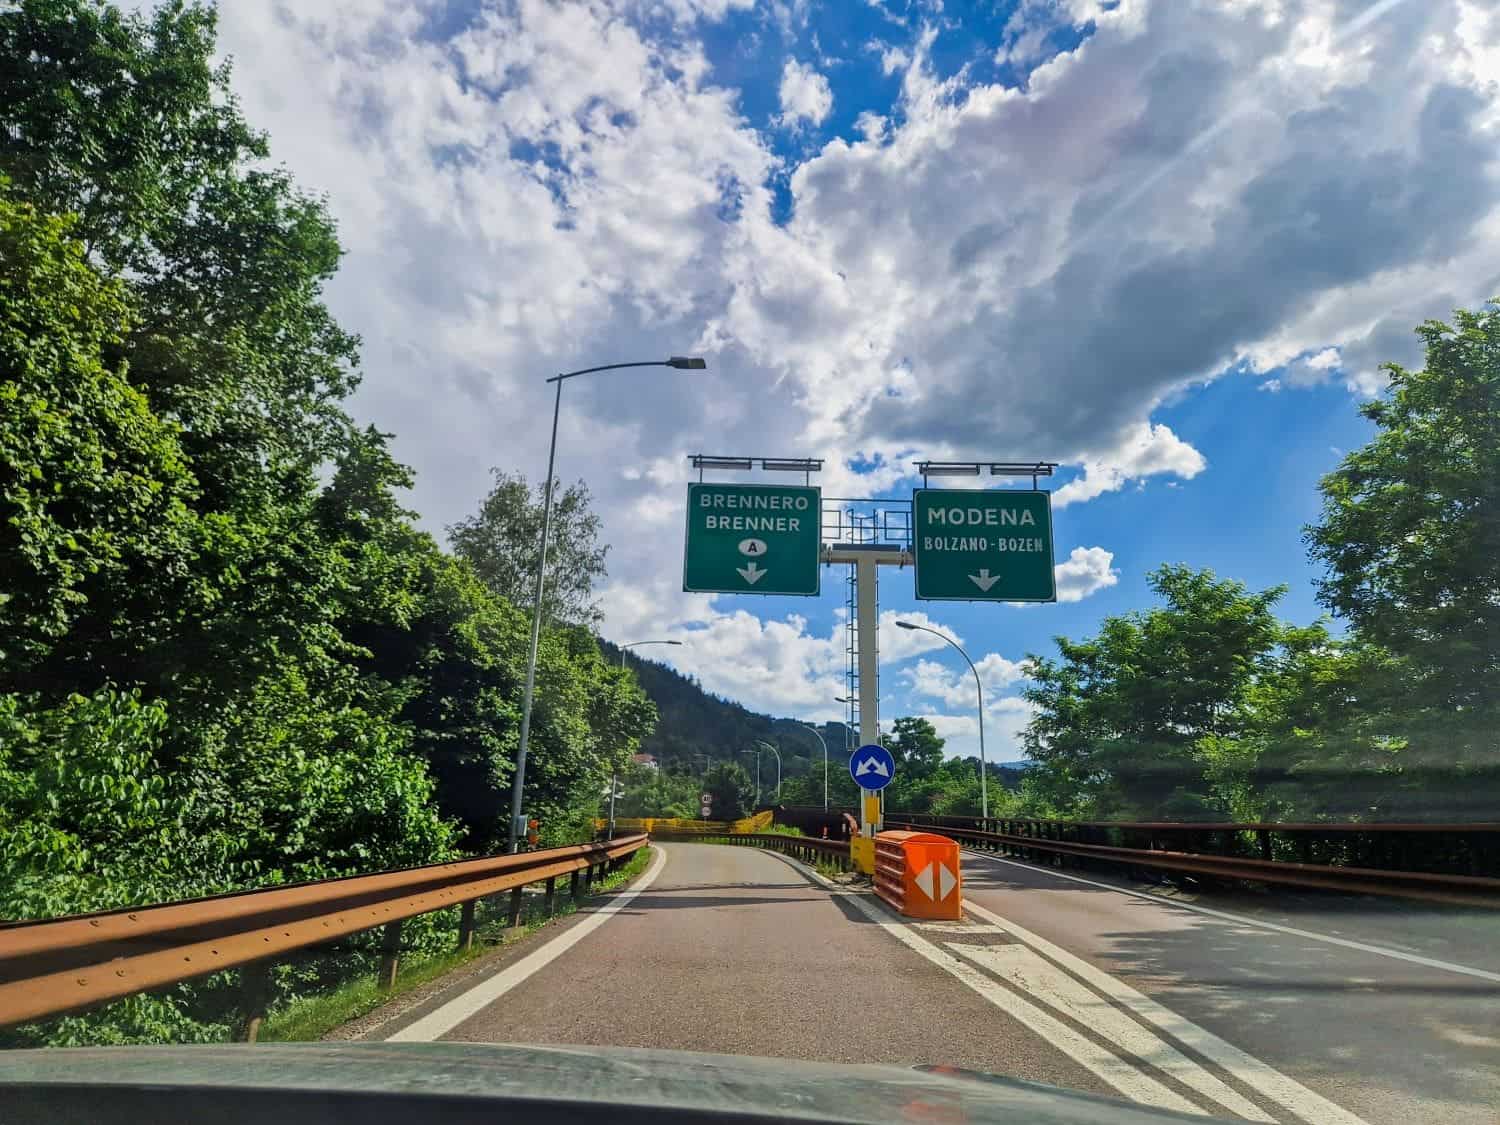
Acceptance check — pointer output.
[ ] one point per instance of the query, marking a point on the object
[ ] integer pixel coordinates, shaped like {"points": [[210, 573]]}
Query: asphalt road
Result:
{"points": [[1049, 979], [1374, 1029]]}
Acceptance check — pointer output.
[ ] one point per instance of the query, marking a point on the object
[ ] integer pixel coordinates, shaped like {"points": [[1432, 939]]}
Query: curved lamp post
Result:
{"points": [[984, 789], [681, 363]]}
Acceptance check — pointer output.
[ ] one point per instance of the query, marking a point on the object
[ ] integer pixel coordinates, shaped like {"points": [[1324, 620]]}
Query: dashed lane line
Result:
{"points": [[1246, 1068], [1123, 1076], [1025, 969], [1246, 920]]}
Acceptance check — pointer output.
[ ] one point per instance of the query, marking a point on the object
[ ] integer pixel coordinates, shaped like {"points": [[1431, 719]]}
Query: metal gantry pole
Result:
{"points": [[519, 780], [867, 616]]}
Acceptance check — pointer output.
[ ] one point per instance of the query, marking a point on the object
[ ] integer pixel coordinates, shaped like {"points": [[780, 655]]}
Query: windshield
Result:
{"points": [[533, 497]]}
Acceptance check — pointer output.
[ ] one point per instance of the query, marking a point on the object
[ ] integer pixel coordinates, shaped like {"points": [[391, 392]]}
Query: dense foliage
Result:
{"points": [[1207, 706], [500, 543], [228, 657]]}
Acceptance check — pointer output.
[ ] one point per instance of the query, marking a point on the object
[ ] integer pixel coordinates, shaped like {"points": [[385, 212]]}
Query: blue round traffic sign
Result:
{"points": [[872, 767]]}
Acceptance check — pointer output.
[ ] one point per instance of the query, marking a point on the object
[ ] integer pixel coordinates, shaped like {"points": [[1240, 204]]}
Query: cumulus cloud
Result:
{"points": [[1272, 144], [1003, 723], [805, 94], [980, 271], [1142, 450], [955, 686], [1086, 571]]}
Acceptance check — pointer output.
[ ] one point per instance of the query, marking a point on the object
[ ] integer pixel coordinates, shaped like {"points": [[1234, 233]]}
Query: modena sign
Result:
{"points": [[983, 546]]}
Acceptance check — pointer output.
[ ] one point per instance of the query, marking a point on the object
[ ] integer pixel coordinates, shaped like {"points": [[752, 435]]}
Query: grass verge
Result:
{"points": [[306, 1018]]}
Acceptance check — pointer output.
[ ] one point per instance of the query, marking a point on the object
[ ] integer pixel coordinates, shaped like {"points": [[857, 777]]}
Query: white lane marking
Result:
{"points": [[1028, 971], [1248, 1069], [1245, 920], [440, 1021], [1123, 1076]]}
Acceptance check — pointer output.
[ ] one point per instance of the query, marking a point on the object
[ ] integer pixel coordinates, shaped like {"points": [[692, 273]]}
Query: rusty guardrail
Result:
{"points": [[59, 965], [1442, 848], [1460, 890]]}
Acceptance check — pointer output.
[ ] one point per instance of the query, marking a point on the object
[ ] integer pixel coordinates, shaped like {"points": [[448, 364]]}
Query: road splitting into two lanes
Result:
{"points": [[738, 951]]}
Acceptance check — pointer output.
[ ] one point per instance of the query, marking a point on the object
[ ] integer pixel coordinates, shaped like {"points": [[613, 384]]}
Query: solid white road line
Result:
{"points": [[1246, 920], [1246, 1068], [440, 1021], [1118, 1073], [1028, 971]]}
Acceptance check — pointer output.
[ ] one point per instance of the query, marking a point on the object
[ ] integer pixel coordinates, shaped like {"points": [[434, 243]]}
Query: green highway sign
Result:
{"points": [[752, 539], [983, 546]]}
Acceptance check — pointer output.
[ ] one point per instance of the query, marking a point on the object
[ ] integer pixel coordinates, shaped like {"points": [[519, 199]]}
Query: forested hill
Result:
{"points": [[693, 723]]}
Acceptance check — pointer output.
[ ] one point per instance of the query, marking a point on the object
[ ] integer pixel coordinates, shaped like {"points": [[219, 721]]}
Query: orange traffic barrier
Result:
{"points": [[918, 874]]}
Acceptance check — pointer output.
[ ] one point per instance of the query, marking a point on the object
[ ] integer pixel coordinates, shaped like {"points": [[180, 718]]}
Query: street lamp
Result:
{"points": [[824, 744], [984, 788], [681, 363], [777, 752], [613, 773]]}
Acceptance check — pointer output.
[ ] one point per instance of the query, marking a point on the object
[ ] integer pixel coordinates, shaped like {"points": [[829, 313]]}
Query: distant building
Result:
{"points": [[648, 760]]}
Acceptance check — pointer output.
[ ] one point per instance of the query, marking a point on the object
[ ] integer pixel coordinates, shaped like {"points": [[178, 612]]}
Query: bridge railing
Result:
{"points": [[1438, 848], [61, 965], [1046, 841]]}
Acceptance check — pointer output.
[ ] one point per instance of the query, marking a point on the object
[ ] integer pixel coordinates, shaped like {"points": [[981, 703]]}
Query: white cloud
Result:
{"points": [[1087, 571], [1199, 187], [955, 686], [1003, 724], [805, 94], [1142, 450]]}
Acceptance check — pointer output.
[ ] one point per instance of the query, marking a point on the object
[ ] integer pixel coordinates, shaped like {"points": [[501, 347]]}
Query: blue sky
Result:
{"points": [[1166, 243]]}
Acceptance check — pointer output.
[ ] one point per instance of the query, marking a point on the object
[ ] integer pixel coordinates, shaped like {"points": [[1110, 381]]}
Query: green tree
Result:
{"points": [[730, 789], [94, 488], [1411, 542], [1120, 716], [655, 792], [915, 745], [501, 541]]}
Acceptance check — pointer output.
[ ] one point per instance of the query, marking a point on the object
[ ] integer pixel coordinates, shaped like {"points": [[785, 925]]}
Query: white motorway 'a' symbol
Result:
{"points": [[871, 765], [751, 573], [984, 580]]}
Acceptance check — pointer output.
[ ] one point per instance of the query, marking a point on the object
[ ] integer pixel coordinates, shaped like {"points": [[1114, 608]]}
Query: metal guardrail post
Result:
{"points": [[573, 881], [255, 993], [390, 956], [549, 902], [466, 925], [514, 919]]}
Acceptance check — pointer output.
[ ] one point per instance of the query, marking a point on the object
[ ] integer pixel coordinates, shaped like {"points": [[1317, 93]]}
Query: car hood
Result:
{"points": [[571, 1077]]}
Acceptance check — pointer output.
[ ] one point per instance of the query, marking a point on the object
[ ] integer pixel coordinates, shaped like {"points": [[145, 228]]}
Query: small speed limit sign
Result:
{"points": [[706, 811]]}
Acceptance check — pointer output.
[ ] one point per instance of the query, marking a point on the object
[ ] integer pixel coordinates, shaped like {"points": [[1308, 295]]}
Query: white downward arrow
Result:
{"points": [[983, 579], [751, 573]]}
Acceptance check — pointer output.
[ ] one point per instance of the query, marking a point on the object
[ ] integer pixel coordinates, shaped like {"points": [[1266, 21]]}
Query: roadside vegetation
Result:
{"points": [[228, 656], [301, 1018]]}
